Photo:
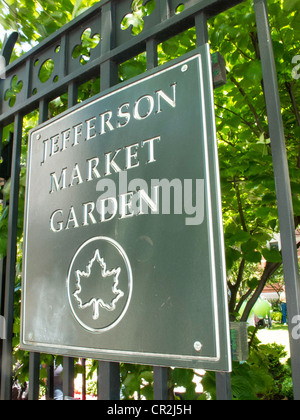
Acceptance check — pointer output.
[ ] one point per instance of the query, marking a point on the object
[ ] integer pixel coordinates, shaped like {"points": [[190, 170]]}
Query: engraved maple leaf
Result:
{"points": [[87, 287]]}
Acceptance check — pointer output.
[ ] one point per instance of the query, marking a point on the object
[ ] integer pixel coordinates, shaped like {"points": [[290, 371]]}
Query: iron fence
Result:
{"points": [[24, 90]]}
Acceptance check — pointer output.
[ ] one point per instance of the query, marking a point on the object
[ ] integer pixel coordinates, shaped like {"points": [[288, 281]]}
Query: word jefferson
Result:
{"points": [[107, 121]]}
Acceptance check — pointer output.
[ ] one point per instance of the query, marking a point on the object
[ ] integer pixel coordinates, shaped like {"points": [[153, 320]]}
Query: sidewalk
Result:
{"points": [[279, 336]]}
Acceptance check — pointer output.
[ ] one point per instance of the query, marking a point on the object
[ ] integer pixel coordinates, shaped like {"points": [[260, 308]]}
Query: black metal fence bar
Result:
{"points": [[83, 388], [2, 290], [68, 377], [68, 362], [6, 374], [34, 376], [223, 386], [50, 382], [3, 265], [2, 272], [108, 381], [108, 372], [124, 47], [160, 380], [223, 380], [160, 374], [34, 358], [282, 181]]}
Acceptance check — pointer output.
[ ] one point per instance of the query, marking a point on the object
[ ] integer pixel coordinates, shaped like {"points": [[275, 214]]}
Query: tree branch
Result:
{"points": [[254, 39], [290, 89], [242, 300], [268, 271], [225, 141], [253, 110], [240, 206], [235, 287], [250, 125]]}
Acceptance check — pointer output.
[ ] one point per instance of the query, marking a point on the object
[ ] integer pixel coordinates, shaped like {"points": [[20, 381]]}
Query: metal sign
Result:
{"points": [[123, 245]]}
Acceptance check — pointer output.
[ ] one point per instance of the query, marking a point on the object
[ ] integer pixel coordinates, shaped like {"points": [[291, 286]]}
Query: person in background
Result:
{"points": [[283, 306], [58, 383]]}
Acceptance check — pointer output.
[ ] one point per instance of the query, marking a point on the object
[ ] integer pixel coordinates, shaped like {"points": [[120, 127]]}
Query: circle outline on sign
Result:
{"points": [[130, 283]]}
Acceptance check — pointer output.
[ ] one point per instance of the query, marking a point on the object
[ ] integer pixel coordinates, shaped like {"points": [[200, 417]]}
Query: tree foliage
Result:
{"points": [[246, 170], [248, 188]]}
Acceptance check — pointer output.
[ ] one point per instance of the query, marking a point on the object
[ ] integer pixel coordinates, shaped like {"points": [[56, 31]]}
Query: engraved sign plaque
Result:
{"points": [[123, 245]]}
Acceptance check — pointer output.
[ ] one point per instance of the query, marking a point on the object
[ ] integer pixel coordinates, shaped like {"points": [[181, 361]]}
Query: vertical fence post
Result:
{"points": [[83, 379], [2, 283], [152, 56], [2, 273], [108, 373], [201, 29], [50, 382], [283, 186], [223, 386], [6, 373], [108, 381], [68, 362], [34, 358], [223, 379], [68, 377], [160, 374], [2, 270], [8, 270], [2, 280], [34, 376], [160, 381]]}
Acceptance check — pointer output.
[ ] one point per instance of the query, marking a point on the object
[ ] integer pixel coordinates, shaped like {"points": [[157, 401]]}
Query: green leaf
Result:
{"points": [[272, 255], [249, 246], [240, 237], [289, 5], [253, 257], [253, 283], [254, 72], [232, 255], [250, 252], [147, 375], [170, 47]]}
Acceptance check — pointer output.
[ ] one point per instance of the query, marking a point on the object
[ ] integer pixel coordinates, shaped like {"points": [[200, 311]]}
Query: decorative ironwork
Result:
{"points": [[105, 32]]}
